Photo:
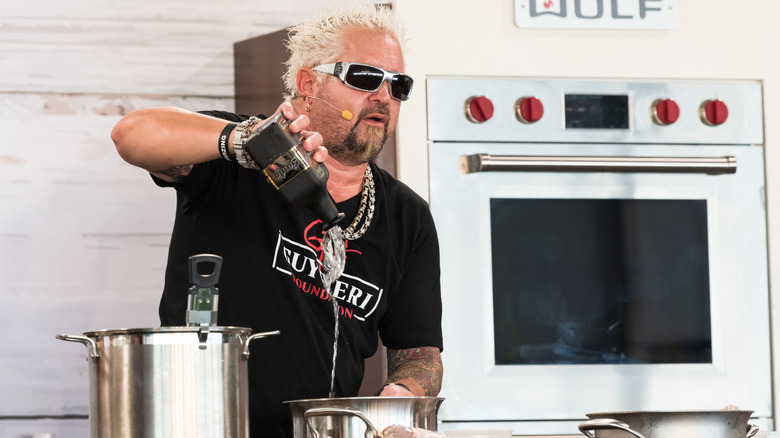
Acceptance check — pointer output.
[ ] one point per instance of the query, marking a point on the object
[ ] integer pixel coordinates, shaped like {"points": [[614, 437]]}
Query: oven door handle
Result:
{"points": [[525, 163]]}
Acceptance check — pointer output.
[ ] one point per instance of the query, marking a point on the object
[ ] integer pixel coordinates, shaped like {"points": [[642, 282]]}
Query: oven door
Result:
{"points": [[572, 287]]}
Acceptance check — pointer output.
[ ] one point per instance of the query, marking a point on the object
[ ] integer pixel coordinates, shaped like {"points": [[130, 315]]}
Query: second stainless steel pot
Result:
{"points": [[361, 417], [168, 382], [723, 423]]}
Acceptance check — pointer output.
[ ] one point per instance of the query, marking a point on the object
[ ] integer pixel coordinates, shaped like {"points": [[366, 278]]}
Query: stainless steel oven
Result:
{"points": [[603, 248]]}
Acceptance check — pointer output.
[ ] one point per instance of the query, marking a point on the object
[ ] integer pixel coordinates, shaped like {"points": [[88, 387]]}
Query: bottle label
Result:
{"points": [[286, 167]]}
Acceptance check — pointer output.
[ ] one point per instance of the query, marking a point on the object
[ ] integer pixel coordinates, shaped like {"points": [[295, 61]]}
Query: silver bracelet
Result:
{"points": [[239, 138]]}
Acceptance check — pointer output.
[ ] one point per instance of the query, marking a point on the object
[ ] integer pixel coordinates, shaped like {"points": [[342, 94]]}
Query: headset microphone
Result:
{"points": [[345, 114]]}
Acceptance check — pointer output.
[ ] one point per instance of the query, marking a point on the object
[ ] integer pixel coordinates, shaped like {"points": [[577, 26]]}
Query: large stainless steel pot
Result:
{"points": [[663, 424], [168, 382], [361, 417]]}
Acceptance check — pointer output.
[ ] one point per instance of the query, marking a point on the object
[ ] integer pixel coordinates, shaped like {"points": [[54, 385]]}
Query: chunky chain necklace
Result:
{"points": [[367, 202], [333, 240]]}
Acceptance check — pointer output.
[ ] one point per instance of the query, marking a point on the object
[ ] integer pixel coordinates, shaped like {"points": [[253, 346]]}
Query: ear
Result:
{"points": [[306, 80]]}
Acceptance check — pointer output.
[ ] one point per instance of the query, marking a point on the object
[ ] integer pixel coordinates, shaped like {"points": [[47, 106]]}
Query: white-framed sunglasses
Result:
{"points": [[369, 78]]}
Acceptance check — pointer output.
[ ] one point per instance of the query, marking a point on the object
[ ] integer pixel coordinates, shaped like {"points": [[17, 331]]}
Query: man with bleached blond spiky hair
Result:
{"points": [[345, 85]]}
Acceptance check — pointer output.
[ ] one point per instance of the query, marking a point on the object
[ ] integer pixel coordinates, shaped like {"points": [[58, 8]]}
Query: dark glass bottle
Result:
{"points": [[291, 170]]}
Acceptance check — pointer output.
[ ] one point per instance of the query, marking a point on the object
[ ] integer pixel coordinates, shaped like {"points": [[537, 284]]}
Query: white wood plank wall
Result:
{"points": [[83, 235]]}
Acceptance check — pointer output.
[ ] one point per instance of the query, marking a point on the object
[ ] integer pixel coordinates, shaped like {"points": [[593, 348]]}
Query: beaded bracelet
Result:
{"points": [[239, 138]]}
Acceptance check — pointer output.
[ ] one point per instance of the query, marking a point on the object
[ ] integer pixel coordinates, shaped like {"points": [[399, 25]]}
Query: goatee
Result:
{"points": [[353, 151]]}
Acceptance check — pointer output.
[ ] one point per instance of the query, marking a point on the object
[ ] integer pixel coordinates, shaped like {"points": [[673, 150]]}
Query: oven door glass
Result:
{"points": [[566, 293], [600, 281]]}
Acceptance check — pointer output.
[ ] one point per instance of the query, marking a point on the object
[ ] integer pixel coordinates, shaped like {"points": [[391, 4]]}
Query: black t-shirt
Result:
{"points": [[270, 281]]}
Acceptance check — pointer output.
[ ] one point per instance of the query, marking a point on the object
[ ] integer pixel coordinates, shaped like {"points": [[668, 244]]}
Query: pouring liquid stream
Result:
{"points": [[334, 258]]}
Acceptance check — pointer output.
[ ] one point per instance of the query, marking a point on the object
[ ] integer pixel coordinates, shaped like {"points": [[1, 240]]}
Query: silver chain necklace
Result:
{"points": [[367, 202], [333, 240]]}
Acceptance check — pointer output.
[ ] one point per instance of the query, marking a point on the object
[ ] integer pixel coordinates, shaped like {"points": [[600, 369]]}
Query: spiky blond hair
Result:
{"points": [[321, 39]]}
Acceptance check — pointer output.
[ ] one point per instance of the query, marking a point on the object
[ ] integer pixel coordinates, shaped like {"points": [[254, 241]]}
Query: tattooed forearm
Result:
{"points": [[175, 173], [420, 366]]}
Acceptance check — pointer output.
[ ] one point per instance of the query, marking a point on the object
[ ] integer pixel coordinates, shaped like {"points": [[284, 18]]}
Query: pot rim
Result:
{"points": [[368, 398], [692, 411], [167, 329]]}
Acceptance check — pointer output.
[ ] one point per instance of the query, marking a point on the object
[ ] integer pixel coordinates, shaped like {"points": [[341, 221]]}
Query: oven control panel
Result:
{"points": [[642, 111]]}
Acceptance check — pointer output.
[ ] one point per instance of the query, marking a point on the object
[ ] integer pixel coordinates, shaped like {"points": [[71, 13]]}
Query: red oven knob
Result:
{"points": [[713, 112], [529, 109], [479, 109], [665, 111]]}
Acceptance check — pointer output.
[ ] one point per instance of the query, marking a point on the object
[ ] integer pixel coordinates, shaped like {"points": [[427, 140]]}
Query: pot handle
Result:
{"points": [[257, 336], [606, 423], [371, 431], [752, 430], [92, 349]]}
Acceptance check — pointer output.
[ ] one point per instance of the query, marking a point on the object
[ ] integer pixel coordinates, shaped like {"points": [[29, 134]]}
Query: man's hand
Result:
{"points": [[312, 141], [395, 390], [399, 431]]}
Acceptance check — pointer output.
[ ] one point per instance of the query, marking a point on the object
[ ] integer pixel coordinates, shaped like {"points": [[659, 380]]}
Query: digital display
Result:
{"points": [[596, 111]]}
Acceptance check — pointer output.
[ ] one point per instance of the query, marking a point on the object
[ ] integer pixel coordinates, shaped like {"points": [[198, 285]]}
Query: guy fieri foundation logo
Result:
{"points": [[357, 298]]}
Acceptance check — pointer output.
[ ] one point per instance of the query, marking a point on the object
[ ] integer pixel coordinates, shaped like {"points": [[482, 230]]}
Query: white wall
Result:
{"points": [[83, 236]]}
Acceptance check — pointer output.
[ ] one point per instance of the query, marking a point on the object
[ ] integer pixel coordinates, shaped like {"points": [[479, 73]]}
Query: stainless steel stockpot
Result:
{"points": [[168, 382], [723, 423], [361, 417]]}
